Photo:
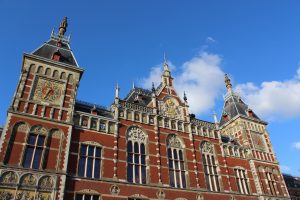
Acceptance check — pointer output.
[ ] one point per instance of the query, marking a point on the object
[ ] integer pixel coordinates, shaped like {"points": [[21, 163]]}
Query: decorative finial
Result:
{"points": [[117, 91], [63, 26], [228, 83], [215, 117], [184, 97], [133, 85], [166, 66], [153, 87]]}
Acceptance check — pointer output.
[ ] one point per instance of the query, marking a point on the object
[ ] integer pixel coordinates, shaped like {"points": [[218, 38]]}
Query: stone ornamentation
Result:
{"points": [[4, 195], [24, 195], [199, 197], [136, 134], [174, 142], [114, 190], [207, 148], [39, 130], [28, 180], [170, 109], [46, 183], [160, 194], [9, 178]]}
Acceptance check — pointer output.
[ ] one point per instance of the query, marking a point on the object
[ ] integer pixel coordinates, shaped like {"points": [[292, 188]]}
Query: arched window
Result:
{"points": [[210, 167], [271, 181], [35, 147], [176, 162], [136, 156]]}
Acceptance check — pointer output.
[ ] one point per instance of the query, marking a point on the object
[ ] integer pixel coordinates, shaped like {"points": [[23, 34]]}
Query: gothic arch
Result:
{"points": [[19, 127], [9, 178], [173, 140]]}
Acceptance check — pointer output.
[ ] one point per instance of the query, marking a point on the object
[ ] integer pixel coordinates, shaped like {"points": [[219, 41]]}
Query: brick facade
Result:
{"points": [[145, 146]]}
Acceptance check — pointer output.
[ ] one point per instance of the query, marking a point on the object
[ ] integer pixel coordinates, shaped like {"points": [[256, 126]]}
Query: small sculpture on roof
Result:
{"points": [[63, 26]]}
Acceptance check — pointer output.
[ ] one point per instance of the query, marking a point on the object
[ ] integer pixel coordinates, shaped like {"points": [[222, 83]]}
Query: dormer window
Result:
{"points": [[225, 116], [56, 56], [250, 112]]}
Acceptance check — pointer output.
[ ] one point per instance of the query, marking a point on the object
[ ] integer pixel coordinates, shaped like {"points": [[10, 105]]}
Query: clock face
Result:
{"points": [[48, 91], [170, 108]]}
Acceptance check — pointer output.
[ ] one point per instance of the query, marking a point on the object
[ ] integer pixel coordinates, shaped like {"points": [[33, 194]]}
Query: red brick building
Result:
{"points": [[145, 146]]}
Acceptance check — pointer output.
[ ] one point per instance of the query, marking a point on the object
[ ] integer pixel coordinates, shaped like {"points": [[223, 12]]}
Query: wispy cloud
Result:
{"points": [[273, 99], [296, 145], [210, 40], [201, 78], [285, 168]]}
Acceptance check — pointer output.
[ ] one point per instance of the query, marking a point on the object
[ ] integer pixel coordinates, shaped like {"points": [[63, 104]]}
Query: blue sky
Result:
{"points": [[256, 42]]}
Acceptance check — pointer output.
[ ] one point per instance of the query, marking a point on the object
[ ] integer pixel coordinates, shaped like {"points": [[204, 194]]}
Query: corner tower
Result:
{"points": [[240, 123], [35, 142]]}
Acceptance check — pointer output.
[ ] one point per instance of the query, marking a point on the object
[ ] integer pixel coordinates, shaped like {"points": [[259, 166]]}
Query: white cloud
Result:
{"points": [[201, 78], [285, 168], [210, 40], [296, 145], [274, 99]]}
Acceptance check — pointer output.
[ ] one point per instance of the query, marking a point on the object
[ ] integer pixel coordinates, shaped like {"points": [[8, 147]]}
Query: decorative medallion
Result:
{"points": [[43, 196], [114, 190], [136, 134], [160, 194], [9, 178], [48, 91], [207, 148], [173, 141], [170, 108]]}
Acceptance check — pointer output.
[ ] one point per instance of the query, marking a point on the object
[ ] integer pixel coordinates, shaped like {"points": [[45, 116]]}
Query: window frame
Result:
{"points": [[174, 143], [86, 158], [133, 136], [35, 147]]}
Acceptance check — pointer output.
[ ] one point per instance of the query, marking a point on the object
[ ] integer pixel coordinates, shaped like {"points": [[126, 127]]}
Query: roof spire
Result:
{"points": [[153, 87], [133, 85], [184, 97], [117, 91], [63, 26], [166, 66], [228, 83]]}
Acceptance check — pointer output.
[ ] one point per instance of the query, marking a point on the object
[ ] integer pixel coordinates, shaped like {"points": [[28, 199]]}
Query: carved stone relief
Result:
{"points": [[136, 134], [9, 178], [174, 142], [28, 180], [207, 148], [160, 194], [46, 182]]}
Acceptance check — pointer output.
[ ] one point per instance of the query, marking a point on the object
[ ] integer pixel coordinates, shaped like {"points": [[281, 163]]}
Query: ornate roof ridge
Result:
{"points": [[97, 106]]}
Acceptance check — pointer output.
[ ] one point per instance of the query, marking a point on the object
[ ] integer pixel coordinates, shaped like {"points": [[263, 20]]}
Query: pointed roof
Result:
{"points": [[58, 44], [234, 106]]}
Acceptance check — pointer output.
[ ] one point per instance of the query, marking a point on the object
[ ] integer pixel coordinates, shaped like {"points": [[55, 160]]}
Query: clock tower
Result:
{"points": [[35, 143]]}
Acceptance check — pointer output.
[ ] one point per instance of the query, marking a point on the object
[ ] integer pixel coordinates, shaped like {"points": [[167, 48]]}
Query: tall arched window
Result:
{"points": [[35, 147], [176, 162], [136, 156], [210, 167]]}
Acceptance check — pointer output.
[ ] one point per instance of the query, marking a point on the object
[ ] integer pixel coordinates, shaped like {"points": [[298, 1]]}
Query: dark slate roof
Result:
{"points": [[50, 47], [139, 96], [235, 106], [291, 181], [87, 107], [1, 130]]}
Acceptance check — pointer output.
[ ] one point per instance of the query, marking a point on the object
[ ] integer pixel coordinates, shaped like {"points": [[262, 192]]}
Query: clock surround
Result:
{"points": [[48, 91]]}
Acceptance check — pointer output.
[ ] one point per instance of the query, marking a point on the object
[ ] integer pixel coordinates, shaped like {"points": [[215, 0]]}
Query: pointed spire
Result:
{"points": [[215, 117], [133, 85], [63, 26], [153, 87], [117, 91], [184, 97], [228, 83], [166, 66]]}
